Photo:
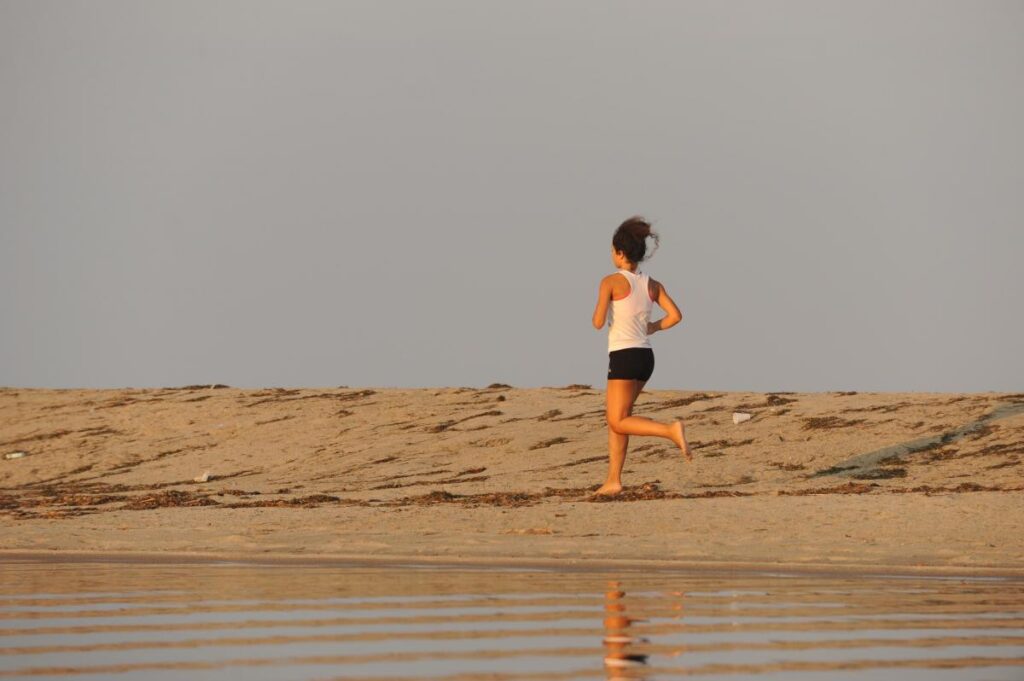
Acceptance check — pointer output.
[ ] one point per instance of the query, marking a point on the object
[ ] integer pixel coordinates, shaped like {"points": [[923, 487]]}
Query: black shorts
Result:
{"points": [[635, 363]]}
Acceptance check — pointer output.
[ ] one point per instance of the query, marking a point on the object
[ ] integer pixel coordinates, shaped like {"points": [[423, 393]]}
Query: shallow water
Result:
{"points": [[98, 620]]}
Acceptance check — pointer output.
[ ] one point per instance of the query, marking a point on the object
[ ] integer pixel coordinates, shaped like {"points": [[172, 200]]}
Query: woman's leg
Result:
{"points": [[620, 419], [617, 445]]}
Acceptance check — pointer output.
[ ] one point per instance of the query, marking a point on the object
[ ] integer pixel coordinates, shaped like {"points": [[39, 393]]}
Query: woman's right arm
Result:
{"points": [[672, 314], [604, 299]]}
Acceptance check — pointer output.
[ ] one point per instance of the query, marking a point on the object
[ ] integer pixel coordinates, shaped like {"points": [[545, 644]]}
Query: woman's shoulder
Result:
{"points": [[617, 284], [653, 287], [614, 278]]}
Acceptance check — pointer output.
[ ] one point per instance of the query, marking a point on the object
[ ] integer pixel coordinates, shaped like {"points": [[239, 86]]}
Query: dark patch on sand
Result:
{"points": [[784, 466], [651, 491], [279, 395], [98, 431], [447, 481], [845, 488], [662, 453], [834, 470], [962, 487], [52, 435], [161, 455], [171, 497], [543, 444], [829, 422], [513, 499], [680, 402], [492, 442], [577, 462], [445, 425], [982, 431], [279, 418], [309, 501], [581, 415], [884, 408], [440, 427], [697, 444], [880, 474], [123, 402]]}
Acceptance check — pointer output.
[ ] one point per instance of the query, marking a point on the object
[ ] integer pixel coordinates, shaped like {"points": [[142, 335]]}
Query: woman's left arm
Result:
{"points": [[604, 297]]}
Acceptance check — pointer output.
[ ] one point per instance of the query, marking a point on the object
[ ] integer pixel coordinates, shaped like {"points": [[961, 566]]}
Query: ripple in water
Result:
{"points": [[96, 620]]}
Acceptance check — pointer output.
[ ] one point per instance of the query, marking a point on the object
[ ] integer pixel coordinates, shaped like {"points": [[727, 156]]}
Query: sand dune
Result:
{"points": [[900, 480]]}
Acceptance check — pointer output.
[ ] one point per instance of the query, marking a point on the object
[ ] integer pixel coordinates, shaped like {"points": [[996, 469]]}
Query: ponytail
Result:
{"points": [[631, 239]]}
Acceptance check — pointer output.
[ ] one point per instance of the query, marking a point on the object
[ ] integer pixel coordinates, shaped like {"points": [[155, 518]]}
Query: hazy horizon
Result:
{"points": [[401, 194]]}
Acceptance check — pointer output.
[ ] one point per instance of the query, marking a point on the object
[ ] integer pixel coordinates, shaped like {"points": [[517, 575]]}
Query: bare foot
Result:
{"points": [[680, 439], [609, 489]]}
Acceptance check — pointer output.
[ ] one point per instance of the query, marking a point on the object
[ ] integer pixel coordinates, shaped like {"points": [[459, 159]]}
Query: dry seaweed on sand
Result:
{"points": [[309, 501], [881, 474], [543, 444], [845, 488], [171, 497], [651, 491], [681, 401], [829, 422], [646, 491], [483, 499]]}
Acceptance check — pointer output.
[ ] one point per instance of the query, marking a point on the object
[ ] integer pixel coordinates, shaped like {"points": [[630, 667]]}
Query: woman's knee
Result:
{"points": [[621, 395], [615, 423]]}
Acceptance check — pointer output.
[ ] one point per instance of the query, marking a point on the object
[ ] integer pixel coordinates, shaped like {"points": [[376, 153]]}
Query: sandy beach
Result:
{"points": [[502, 475]]}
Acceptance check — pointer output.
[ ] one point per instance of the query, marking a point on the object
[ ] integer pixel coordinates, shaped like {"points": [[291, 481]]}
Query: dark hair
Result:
{"points": [[631, 238]]}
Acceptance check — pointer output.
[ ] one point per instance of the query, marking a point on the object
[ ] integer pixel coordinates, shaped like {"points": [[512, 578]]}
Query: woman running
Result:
{"points": [[629, 294]]}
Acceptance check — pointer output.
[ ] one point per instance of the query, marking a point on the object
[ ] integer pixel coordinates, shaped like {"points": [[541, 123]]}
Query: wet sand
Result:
{"points": [[500, 475], [150, 620]]}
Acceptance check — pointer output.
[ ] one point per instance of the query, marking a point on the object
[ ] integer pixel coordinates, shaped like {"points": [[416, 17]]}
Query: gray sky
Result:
{"points": [[423, 193]]}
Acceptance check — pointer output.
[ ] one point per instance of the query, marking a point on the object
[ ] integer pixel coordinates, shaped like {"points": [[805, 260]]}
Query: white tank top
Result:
{"points": [[628, 328]]}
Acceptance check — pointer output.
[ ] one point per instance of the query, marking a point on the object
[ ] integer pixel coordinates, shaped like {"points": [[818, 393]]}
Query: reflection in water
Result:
{"points": [[617, 638], [91, 621]]}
